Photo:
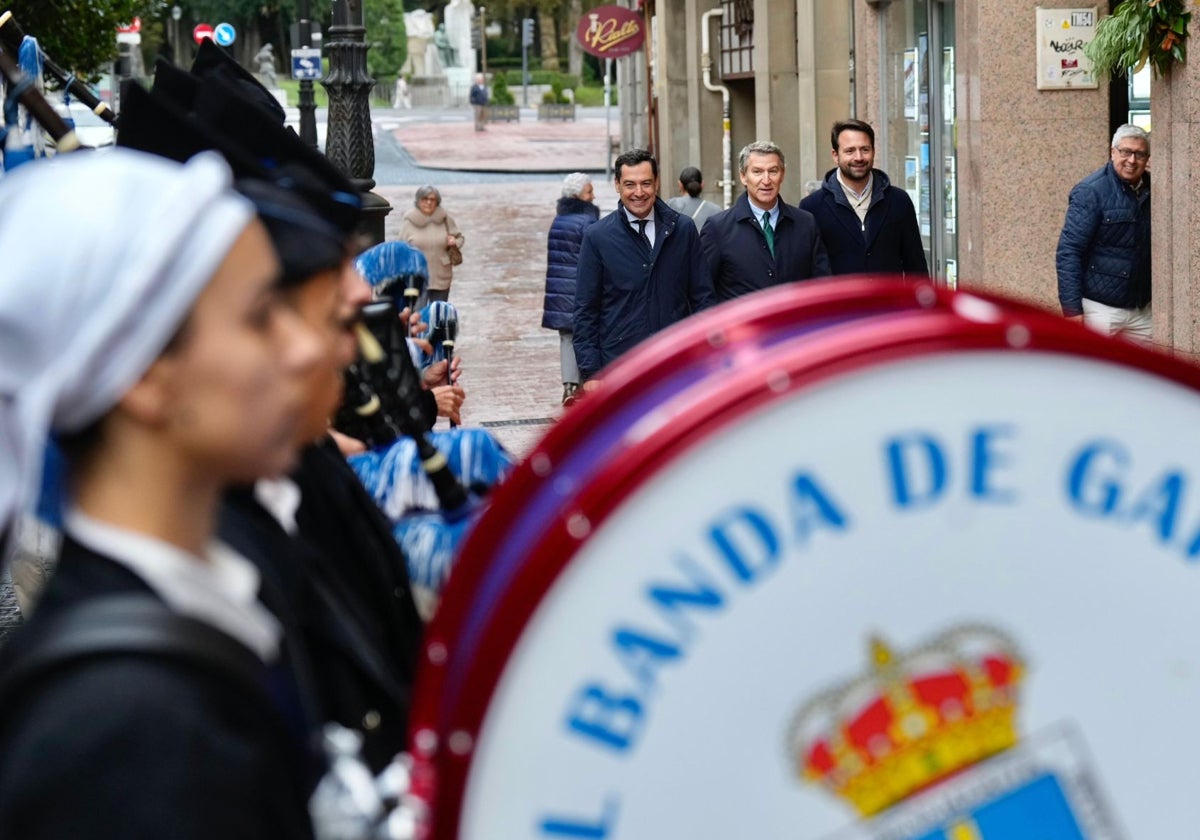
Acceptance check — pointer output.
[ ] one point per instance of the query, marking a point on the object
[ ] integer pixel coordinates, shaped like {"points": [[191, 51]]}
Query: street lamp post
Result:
{"points": [[176, 14], [348, 141], [308, 105]]}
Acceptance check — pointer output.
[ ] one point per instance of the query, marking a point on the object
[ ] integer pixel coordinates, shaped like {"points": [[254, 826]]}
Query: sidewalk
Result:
{"points": [[511, 366], [524, 146]]}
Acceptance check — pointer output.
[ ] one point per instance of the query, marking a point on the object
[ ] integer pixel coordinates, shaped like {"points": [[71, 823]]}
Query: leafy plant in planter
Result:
{"points": [[501, 95], [1140, 31], [555, 95]]}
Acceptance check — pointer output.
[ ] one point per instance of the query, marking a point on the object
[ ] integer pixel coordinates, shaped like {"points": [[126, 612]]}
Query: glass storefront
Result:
{"points": [[917, 143]]}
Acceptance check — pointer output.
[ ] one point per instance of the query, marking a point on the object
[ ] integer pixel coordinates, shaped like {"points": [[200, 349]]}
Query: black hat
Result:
{"points": [[213, 62], [276, 148], [155, 125], [306, 243]]}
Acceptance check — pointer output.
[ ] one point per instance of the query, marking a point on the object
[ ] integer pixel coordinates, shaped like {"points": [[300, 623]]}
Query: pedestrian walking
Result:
{"points": [[479, 101], [575, 212], [168, 367], [1103, 257], [761, 241], [428, 227], [401, 98], [867, 225], [689, 202], [639, 269]]}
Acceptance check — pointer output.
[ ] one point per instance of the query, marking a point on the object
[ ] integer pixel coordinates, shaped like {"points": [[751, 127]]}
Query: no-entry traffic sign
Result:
{"points": [[202, 31]]}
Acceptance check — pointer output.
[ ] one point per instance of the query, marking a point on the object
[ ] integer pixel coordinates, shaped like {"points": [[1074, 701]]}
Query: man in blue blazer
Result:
{"points": [[639, 270], [761, 240]]}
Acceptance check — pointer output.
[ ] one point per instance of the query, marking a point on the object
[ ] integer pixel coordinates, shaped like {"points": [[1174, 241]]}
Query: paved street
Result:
{"points": [[500, 186]]}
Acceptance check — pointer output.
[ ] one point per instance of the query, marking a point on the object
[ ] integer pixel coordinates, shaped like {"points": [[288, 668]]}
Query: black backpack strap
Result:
{"points": [[124, 624]]}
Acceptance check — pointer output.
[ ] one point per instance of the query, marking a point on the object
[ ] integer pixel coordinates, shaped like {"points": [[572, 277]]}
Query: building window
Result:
{"points": [[737, 39]]}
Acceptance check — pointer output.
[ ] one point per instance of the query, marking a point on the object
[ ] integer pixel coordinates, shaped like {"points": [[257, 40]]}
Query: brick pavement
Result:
{"points": [[510, 363], [524, 146]]}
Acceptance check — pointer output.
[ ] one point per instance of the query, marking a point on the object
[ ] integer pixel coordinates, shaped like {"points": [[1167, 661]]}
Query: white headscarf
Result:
{"points": [[101, 257]]}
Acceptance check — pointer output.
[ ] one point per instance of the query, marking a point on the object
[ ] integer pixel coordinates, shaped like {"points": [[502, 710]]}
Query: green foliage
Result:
{"points": [[1139, 31], [79, 35], [387, 35], [593, 97], [292, 87], [542, 77], [501, 95], [555, 95]]}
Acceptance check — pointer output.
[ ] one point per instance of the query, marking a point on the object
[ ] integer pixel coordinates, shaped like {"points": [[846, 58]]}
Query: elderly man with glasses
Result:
{"points": [[1104, 250]]}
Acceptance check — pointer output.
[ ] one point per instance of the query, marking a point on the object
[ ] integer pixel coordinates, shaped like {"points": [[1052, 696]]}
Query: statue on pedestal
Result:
{"points": [[459, 16], [445, 49], [265, 59], [419, 24]]}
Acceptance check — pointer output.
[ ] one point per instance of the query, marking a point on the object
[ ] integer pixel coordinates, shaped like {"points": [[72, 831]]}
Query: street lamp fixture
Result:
{"points": [[348, 142]]}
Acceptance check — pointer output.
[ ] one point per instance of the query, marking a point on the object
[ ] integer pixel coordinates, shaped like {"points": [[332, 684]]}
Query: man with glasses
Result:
{"points": [[1104, 251], [761, 240]]}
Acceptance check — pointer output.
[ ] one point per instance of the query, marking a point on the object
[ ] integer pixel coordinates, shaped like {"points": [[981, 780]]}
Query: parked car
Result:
{"points": [[89, 128]]}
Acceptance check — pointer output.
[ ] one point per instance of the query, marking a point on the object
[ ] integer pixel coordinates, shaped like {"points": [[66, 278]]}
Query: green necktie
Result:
{"points": [[769, 232]]}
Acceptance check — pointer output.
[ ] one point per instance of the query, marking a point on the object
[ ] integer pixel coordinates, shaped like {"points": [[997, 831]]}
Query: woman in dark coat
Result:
{"points": [[575, 212]]}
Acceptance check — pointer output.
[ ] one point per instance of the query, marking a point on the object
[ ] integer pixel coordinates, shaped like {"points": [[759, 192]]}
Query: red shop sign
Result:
{"points": [[611, 32]]}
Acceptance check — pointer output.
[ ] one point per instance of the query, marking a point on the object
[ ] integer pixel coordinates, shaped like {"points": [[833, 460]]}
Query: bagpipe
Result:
{"points": [[12, 37], [27, 113], [431, 485]]}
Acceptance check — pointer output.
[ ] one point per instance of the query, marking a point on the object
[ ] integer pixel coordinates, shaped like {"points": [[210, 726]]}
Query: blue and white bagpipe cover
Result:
{"points": [[21, 138], [394, 269], [430, 536]]}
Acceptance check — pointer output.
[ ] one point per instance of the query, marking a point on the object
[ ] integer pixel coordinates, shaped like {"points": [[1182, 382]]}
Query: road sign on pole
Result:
{"points": [[202, 31], [306, 63], [224, 34]]}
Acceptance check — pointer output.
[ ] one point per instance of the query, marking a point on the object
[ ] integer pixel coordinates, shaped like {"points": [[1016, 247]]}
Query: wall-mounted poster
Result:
{"points": [[926, 178], [951, 192], [948, 85], [911, 73], [1061, 37], [952, 274], [912, 180]]}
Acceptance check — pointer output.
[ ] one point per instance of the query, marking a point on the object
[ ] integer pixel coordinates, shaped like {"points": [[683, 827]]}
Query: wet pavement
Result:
{"points": [[510, 363]]}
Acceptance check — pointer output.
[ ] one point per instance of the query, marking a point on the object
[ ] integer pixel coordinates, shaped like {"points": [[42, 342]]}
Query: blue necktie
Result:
{"points": [[641, 225]]}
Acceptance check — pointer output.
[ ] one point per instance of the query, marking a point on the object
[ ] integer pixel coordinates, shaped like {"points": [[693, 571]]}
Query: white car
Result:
{"points": [[89, 128]]}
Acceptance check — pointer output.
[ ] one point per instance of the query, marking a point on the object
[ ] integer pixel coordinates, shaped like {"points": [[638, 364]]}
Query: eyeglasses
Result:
{"points": [[1136, 154]]}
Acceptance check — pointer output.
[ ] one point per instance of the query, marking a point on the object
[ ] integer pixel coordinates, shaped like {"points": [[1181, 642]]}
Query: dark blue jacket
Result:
{"points": [[1104, 249], [478, 95], [562, 256], [887, 242], [626, 292], [737, 256]]}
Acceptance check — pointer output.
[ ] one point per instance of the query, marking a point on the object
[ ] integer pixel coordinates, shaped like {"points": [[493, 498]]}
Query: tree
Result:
{"points": [[387, 36], [79, 35]]}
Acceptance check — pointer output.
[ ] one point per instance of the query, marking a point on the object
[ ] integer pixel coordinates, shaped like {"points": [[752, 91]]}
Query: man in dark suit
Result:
{"points": [[868, 225], [761, 240], [639, 270]]}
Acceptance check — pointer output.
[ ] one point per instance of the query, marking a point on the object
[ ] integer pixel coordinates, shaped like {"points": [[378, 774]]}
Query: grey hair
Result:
{"points": [[758, 147], [1131, 131], [574, 184], [427, 190]]}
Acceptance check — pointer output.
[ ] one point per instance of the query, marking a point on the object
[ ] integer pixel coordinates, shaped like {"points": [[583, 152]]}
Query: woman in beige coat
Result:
{"points": [[427, 227]]}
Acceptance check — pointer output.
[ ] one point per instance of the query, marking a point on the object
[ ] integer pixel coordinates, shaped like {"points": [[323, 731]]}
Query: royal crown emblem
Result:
{"points": [[913, 720]]}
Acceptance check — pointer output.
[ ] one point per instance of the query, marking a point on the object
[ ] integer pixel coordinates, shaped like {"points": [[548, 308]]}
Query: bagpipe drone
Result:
{"points": [[429, 484]]}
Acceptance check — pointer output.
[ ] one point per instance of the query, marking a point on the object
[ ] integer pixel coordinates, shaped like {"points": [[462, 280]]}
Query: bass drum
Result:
{"points": [[889, 561]]}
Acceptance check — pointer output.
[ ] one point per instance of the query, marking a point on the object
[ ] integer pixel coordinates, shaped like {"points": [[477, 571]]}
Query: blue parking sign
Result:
{"points": [[224, 34], [306, 63]]}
